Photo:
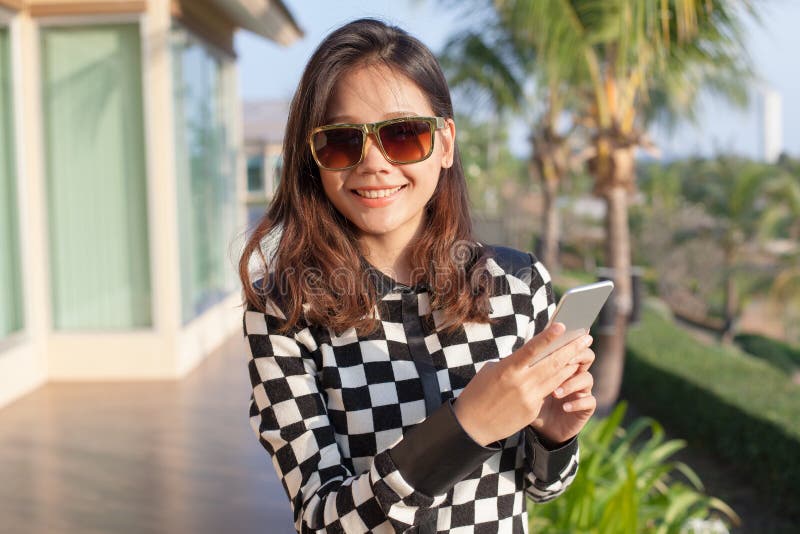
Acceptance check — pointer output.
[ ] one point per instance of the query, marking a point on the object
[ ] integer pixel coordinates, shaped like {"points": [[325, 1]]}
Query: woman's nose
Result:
{"points": [[373, 157]]}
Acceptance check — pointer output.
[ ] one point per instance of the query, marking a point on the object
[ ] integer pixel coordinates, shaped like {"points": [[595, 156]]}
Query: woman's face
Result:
{"points": [[371, 94]]}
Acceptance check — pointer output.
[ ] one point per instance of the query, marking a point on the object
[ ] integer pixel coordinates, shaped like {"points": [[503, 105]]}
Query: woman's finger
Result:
{"points": [[584, 357], [550, 365], [577, 382], [533, 348], [545, 385], [586, 403]]}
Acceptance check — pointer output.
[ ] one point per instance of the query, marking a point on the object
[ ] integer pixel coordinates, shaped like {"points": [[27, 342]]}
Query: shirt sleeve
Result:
{"points": [[289, 415], [548, 472]]}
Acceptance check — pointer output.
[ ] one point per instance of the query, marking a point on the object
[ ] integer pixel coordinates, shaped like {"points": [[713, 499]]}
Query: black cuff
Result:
{"points": [[548, 464], [438, 453]]}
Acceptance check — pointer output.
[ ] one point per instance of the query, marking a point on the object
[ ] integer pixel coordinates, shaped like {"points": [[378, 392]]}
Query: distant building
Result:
{"points": [[121, 171], [771, 124], [264, 124]]}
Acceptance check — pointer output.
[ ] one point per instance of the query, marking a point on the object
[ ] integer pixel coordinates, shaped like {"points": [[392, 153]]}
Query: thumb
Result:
{"points": [[525, 355]]}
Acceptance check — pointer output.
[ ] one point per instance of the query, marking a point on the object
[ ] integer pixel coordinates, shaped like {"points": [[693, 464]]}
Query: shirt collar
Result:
{"points": [[385, 284]]}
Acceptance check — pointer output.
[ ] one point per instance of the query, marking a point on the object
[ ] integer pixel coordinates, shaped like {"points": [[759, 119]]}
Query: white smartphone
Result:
{"points": [[577, 309]]}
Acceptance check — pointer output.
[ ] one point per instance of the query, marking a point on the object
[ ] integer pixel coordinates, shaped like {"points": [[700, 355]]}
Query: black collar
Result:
{"points": [[385, 284]]}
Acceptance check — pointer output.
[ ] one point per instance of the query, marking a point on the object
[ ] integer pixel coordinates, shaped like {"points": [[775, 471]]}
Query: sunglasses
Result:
{"points": [[337, 147]]}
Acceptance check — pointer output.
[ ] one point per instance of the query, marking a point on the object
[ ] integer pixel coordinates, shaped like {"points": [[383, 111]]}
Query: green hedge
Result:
{"points": [[739, 407], [779, 354]]}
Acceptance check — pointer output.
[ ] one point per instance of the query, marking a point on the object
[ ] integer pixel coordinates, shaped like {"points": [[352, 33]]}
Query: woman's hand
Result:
{"points": [[505, 396], [565, 412]]}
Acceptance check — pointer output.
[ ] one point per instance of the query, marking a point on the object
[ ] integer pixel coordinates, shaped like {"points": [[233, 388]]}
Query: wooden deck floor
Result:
{"points": [[146, 457]]}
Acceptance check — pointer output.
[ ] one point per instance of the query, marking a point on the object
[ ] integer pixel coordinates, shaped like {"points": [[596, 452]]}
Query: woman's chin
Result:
{"points": [[380, 227]]}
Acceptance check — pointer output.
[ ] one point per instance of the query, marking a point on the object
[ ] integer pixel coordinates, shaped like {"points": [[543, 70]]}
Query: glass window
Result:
{"points": [[205, 164], [10, 283], [96, 177], [255, 174]]}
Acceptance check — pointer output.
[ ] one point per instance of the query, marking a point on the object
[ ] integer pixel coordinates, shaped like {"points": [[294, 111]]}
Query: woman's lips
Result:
{"points": [[375, 198], [377, 192]]}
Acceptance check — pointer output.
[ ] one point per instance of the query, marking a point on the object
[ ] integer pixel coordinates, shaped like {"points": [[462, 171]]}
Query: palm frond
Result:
{"points": [[478, 67]]}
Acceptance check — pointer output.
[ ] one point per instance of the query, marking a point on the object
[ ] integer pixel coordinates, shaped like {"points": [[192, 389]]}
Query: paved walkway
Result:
{"points": [[142, 457]]}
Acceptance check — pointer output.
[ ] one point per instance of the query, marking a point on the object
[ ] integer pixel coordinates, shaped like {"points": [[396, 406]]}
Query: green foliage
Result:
{"points": [[627, 484], [602, 57], [740, 407], [779, 354], [731, 207], [733, 191], [746, 199], [487, 160], [484, 144]]}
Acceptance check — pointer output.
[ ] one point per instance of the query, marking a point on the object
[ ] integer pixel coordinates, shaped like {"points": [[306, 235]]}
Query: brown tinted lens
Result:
{"points": [[406, 141], [338, 148]]}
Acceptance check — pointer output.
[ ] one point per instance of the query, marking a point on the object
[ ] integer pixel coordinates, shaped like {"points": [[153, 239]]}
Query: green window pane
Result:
{"points": [[255, 174], [96, 177], [205, 163], [10, 282]]}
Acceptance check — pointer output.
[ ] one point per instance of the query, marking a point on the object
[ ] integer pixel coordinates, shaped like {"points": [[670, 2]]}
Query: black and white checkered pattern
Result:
{"points": [[329, 409]]}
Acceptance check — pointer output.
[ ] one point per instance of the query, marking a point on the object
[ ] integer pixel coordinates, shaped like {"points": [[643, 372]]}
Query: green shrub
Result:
{"points": [[777, 353], [740, 407], [626, 484]]}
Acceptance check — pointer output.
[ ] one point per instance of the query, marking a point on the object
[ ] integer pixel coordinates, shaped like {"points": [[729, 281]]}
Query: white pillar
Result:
{"points": [[162, 187], [23, 362]]}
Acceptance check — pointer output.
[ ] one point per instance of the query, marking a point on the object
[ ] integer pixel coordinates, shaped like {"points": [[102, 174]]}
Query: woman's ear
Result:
{"points": [[448, 135]]}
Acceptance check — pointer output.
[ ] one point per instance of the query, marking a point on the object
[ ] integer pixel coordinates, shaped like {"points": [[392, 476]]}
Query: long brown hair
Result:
{"points": [[317, 264]]}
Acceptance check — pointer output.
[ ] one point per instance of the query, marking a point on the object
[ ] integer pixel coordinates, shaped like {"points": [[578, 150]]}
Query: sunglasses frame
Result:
{"points": [[435, 123]]}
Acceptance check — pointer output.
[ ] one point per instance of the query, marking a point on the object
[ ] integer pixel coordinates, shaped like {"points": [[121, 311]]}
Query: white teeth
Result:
{"points": [[380, 193]]}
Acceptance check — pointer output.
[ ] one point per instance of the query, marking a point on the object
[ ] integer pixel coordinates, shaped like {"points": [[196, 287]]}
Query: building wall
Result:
{"points": [[168, 347]]}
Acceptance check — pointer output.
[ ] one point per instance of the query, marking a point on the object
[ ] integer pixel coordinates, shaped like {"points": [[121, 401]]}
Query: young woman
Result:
{"points": [[391, 354]]}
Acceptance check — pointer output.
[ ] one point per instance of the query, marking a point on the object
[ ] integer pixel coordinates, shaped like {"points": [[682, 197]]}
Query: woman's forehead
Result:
{"points": [[371, 93]]}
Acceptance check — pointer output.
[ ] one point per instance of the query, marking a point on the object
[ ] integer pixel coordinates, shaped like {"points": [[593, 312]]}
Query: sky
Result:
{"points": [[269, 71]]}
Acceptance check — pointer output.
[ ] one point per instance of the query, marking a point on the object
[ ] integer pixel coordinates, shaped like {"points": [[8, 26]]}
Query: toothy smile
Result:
{"points": [[377, 193]]}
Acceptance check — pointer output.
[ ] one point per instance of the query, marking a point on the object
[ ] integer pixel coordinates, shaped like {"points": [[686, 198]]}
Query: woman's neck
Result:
{"points": [[393, 262], [391, 256], [390, 252]]}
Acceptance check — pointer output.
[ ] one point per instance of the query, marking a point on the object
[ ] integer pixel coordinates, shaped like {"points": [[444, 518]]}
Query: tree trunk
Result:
{"points": [[547, 162], [614, 173], [550, 225], [731, 298], [610, 345]]}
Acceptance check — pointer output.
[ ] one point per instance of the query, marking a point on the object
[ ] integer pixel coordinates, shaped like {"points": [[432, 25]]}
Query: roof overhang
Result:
{"points": [[11, 4], [267, 18]]}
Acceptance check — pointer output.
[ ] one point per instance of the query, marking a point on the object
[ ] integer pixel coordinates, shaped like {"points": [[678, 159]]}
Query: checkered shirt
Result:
{"points": [[330, 409]]}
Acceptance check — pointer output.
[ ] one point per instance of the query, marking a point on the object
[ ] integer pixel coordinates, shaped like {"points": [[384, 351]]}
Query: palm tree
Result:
{"points": [[743, 214], [739, 196], [784, 193], [786, 292], [625, 61], [497, 62], [783, 220]]}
